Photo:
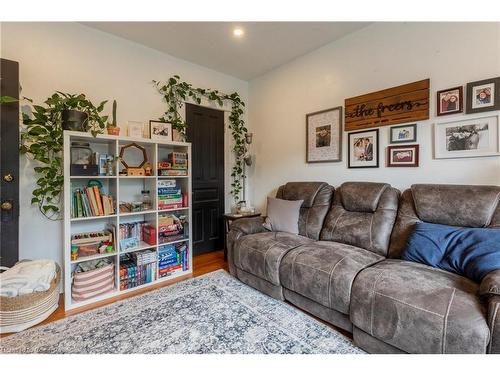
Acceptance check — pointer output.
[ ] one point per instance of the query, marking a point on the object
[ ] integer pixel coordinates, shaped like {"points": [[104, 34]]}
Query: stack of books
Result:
{"points": [[137, 269], [169, 195], [173, 258], [89, 202]]}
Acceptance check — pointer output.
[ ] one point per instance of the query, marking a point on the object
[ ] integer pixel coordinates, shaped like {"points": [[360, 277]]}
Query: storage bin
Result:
{"points": [[26, 310], [93, 283]]}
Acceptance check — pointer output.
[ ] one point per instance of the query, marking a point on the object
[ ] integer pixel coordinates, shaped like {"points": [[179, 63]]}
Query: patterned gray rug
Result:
{"points": [[214, 313]]}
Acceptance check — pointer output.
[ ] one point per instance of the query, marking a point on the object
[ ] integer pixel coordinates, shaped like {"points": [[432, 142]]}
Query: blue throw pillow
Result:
{"points": [[471, 252]]}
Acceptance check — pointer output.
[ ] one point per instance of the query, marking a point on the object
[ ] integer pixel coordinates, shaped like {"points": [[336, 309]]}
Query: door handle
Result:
{"points": [[6, 206], [8, 178]]}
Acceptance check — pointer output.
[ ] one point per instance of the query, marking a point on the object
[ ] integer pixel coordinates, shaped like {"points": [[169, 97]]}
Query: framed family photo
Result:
{"points": [[467, 138], [160, 130], [403, 133], [363, 149], [450, 101], [483, 96], [324, 136], [402, 156]]}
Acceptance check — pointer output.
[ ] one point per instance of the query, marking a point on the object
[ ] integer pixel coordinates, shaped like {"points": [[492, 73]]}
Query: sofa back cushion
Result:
{"points": [[316, 197], [362, 215], [474, 206]]}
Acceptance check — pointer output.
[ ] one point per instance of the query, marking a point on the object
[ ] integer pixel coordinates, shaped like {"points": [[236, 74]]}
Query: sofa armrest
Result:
{"points": [[490, 285], [490, 290], [239, 228], [249, 225]]}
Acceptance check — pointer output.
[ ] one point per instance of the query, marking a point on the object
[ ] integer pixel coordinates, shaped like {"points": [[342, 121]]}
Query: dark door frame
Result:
{"points": [[9, 164]]}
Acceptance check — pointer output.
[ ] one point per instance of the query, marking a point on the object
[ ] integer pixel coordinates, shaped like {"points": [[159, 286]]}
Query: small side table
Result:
{"points": [[228, 219]]}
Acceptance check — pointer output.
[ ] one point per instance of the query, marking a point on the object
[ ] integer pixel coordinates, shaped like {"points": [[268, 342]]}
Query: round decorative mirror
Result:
{"points": [[133, 157]]}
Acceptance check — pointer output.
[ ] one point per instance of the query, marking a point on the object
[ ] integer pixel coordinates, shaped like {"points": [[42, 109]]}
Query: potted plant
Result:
{"points": [[112, 128], [78, 113], [42, 141]]}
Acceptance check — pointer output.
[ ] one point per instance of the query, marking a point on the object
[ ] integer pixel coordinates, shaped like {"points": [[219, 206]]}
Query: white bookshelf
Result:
{"points": [[121, 187]]}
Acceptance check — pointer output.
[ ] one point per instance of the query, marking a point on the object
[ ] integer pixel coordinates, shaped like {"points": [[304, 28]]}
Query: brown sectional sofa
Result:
{"points": [[345, 268]]}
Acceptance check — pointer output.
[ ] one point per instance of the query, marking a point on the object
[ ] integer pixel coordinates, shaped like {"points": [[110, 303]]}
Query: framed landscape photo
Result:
{"points": [[403, 133], [483, 96], [324, 136], [363, 148], [467, 138], [450, 101], [160, 130], [402, 156]]}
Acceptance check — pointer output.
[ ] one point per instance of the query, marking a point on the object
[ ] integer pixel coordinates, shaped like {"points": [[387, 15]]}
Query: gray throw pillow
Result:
{"points": [[283, 215]]}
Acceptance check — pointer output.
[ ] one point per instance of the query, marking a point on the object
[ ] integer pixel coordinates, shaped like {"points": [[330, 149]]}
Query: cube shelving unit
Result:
{"points": [[123, 188]]}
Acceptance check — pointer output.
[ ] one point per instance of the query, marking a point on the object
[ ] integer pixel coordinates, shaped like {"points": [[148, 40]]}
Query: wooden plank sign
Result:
{"points": [[397, 105]]}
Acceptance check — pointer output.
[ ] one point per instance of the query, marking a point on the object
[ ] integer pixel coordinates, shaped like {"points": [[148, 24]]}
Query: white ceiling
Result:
{"points": [[265, 45]]}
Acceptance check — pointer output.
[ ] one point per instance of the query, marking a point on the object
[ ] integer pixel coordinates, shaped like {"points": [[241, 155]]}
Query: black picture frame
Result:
{"points": [[376, 149], [339, 140], [495, 82], [392, 128]]}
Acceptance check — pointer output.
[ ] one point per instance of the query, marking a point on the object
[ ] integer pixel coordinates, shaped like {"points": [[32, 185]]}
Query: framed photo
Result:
{"points": [[467, 138], [324, 136], [450, 101], [363, 149], [483, 96], [135, 129], [403, 133], [402, 156], [160, 130]]}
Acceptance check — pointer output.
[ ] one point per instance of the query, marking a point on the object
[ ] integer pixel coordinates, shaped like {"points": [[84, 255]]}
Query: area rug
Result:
{"points": [[213, 313]]}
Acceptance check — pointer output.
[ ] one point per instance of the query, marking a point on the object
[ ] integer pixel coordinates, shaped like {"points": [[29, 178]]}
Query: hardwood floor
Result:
{"points": [[202, 264]]}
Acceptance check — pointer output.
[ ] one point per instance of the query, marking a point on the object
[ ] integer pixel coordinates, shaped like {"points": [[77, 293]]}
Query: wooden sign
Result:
{"points": [[397, 105]]}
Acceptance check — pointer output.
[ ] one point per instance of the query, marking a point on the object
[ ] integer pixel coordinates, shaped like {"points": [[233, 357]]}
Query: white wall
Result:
{"points": [[376, 57], [73, 58]]}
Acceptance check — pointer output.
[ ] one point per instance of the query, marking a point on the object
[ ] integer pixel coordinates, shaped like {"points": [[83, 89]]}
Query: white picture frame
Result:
{"points": [[466, 138], [135, 129], [324, 136]]}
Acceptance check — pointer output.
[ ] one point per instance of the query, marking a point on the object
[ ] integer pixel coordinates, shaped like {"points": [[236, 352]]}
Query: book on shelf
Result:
{"points": [[137, 268], [88, 202]]}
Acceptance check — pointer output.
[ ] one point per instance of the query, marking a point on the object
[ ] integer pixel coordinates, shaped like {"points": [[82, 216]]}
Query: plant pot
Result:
{"points": [[114, 131], [74, 120]]}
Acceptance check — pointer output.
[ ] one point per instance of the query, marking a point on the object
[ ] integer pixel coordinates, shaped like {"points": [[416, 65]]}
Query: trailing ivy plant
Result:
{"points": [[42, 141], [7, 99], [175, 92]]}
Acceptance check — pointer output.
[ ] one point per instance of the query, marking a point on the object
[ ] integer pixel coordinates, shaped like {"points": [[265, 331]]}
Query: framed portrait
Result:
{"points": [[402, 156], [403, 133], [483, 96], [363, 149], [324, 136], [467, 138], [450, 101], [160, 130]]}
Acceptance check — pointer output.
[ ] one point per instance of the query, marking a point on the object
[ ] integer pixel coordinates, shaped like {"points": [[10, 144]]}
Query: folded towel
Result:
{"points": [[27, 277]]}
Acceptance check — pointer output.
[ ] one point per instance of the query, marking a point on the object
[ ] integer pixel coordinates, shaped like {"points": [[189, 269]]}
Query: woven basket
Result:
{"points": [[24, 311]]}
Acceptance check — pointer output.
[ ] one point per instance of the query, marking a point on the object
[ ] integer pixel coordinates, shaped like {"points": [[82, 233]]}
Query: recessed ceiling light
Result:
{"points": [[238, 32]]}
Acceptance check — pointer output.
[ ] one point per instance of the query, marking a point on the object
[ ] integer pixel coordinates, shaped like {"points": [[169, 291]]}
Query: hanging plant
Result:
{"points": [[176, 92], [42, 141]]}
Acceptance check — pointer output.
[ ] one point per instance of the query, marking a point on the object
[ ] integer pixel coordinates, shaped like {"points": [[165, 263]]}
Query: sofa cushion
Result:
{"points": [[419, 309], [471, 252], [368, 227], [317, 197], [282, 215], [260, 254], [324, 272], [362, 196], [458, 205]]}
